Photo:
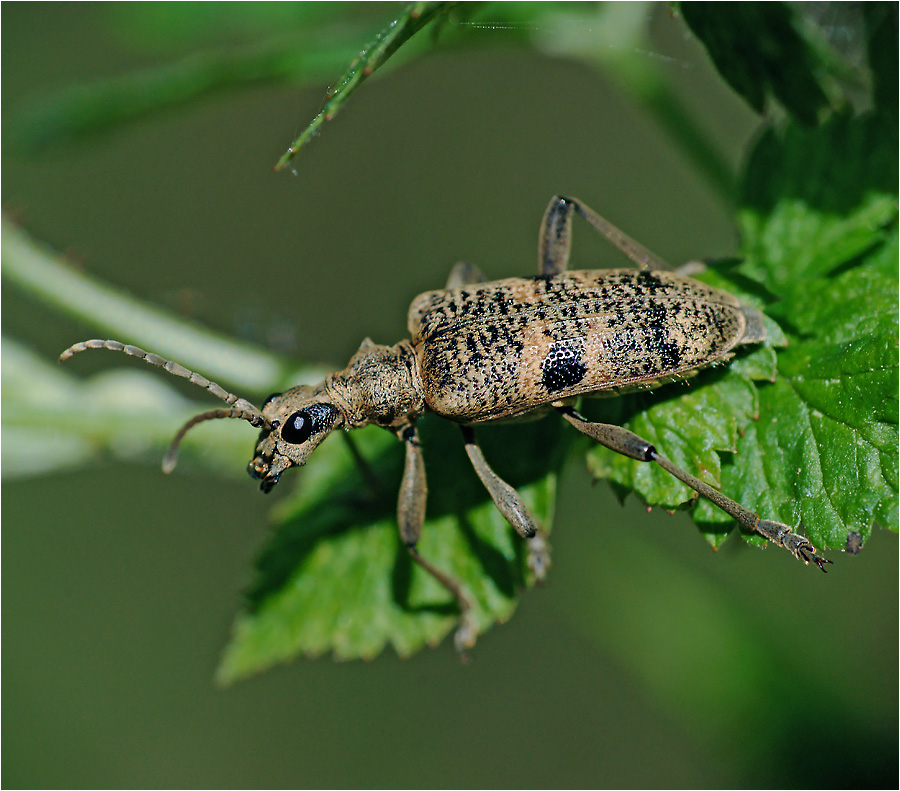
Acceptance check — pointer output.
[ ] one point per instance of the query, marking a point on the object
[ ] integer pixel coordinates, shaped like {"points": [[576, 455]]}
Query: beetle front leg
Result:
{"points": [[623, 441], [555, 239], [410, 518]]}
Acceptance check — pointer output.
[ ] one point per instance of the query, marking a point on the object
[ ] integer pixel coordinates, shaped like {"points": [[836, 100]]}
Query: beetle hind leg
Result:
{"points": [[623, 441], [410, 518], [555, 239]]}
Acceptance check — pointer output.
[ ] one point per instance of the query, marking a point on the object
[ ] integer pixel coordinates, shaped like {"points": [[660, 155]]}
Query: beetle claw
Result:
{"points": [[807, 552], [820, 562]]}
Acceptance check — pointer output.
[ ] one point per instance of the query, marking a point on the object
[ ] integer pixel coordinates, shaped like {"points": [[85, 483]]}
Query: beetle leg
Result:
{"points": [[623, 441], [413, 490], [411, 517], [510, 504], [507, 499], [464, 274], [555, 239], [691, 268]]}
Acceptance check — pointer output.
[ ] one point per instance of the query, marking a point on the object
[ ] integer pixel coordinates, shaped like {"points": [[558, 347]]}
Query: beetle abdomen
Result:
{"points": [[503, 348]]}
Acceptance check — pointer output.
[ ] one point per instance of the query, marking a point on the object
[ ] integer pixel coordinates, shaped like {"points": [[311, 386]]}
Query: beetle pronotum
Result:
{"points": [[484, 351]]}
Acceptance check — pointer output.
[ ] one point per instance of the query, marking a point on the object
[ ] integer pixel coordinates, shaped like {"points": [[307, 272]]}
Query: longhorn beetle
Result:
{"points": [[484, 351]]}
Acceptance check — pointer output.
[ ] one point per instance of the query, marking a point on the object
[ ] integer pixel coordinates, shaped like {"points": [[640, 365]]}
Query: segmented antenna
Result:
{"points": [[171, 458], [242, 408]]}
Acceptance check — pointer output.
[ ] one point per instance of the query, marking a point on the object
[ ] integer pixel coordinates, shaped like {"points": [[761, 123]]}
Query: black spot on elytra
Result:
{"points": [[563, 366]]}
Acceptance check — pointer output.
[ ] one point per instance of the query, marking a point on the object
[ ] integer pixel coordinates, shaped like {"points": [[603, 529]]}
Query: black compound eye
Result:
{"points": [[300, 426]]}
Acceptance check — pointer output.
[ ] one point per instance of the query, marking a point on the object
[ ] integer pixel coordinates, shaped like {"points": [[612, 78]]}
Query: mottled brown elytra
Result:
{"points": [[484, 351]]}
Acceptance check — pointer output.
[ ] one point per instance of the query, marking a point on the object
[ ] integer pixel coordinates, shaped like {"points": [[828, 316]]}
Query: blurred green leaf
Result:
{"points": [[228, 45], [882, 35], [760, 52], [127, 413]]}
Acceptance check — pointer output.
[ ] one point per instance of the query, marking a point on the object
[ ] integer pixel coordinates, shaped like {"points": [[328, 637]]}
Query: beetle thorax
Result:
{"points": [[381, 385]]}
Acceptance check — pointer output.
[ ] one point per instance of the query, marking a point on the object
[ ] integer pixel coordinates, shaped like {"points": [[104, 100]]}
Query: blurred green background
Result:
{"points": [[647, 660]]}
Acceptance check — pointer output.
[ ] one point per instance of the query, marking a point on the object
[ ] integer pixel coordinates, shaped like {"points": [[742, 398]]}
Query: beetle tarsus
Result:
{"points": [[781, 534], [538, 559], [465, 637]]}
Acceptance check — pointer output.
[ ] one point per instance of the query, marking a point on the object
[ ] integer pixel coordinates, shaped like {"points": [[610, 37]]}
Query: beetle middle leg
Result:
{"points": [[410, 518], [509, 503], [555, 239], [464, 274], [626, 442]]}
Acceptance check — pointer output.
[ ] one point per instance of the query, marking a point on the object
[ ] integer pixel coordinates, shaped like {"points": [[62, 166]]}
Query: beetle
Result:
{"points": [[482, 352]]}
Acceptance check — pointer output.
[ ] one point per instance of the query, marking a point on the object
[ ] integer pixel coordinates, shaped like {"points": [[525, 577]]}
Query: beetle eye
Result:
{"points": [[300, 426], [297, 428], [269, 400]]}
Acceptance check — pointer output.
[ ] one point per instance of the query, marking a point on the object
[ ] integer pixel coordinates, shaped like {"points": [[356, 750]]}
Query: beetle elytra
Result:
{"points": [[485, 351]]}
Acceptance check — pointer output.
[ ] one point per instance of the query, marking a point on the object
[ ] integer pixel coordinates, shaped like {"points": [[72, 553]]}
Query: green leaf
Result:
{"points": [[690, 422], [760, 51], [818, 447], [335, 576]]}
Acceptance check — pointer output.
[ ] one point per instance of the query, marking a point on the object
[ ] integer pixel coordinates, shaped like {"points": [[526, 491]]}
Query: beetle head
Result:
{"points": [[298, 420]]}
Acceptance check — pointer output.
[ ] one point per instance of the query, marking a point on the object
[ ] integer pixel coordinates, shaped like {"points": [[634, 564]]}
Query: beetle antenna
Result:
{"points": [[240, 404], [254, 418]]}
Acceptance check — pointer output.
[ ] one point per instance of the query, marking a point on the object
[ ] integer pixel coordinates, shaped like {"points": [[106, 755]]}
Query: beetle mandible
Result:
{"points": [[486, 351]]}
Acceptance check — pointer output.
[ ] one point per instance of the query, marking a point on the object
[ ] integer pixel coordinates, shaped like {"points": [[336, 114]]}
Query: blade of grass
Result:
{"points": [[373, 56]]}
